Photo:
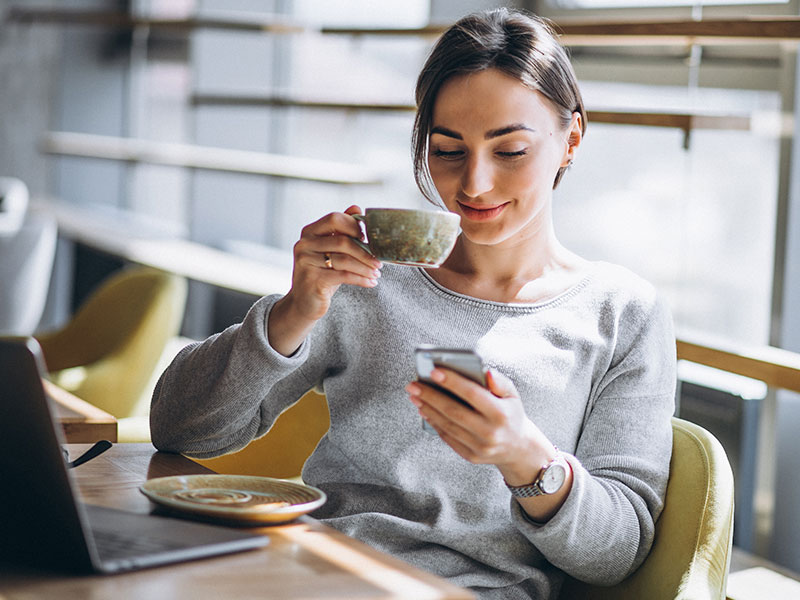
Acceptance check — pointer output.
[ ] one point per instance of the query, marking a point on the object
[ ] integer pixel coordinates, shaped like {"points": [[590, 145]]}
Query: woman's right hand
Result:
{"points": [[325, 257]]}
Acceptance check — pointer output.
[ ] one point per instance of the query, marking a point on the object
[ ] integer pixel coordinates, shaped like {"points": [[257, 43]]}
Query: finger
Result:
{"points": [[356, 210], [460, 438], [465, 451], [458, 447], [500, 385], [440, 420], [332, 224], [346, 245], [471, 392], [320, 270], [345, 262], [490, 404], [313, 249], [334, 235], [462, 421], [323, 277]]}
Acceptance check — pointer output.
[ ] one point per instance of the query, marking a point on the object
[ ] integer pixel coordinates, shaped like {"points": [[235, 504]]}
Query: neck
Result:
{"points": [[528, 268], [525, 257]]}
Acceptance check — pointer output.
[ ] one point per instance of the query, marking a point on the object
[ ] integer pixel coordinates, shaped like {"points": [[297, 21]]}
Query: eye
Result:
{"points": [[448, 154], [514, 154]]}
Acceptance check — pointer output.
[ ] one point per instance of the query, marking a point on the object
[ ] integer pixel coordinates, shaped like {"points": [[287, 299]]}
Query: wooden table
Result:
{"points": [[82, 422], [305, 559]]}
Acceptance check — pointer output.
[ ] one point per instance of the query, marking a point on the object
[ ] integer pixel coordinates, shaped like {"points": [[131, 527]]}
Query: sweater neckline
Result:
{"points": [[526, 306]]}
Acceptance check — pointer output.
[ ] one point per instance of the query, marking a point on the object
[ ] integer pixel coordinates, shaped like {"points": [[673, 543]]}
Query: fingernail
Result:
{"points": [[373, 282], [437, 375], [376, 273]]}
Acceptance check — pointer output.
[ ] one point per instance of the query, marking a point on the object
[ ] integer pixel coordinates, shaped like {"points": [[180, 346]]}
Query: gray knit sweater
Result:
{"points": [[595, 368]]}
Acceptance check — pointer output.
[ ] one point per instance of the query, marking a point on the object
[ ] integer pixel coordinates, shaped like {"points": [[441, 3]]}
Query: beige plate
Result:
{"points": [[241, 498]]}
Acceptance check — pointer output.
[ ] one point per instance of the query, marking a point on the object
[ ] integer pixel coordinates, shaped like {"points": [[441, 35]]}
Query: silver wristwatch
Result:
{"points": [[549, 480]]}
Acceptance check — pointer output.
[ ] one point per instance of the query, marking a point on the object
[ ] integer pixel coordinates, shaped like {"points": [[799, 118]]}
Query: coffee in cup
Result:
{"points": [[422, 238]]}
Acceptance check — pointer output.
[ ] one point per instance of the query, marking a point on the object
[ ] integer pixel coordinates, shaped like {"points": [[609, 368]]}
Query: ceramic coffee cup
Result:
{"points": [[422, 238]]}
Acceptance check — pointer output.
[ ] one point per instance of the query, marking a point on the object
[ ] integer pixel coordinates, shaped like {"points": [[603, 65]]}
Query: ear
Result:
{"points": [[573, 139]]}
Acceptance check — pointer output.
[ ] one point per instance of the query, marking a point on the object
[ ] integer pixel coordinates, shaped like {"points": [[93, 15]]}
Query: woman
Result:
{"points": [[561, 463]]}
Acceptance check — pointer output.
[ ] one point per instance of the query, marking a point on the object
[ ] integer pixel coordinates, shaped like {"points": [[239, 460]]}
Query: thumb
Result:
{"points": [[500, 385], [353, 210]]}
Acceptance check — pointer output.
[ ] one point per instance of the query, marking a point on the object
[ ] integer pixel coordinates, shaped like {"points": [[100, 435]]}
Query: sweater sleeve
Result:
{"points": [[605, 528], [219, 394]]}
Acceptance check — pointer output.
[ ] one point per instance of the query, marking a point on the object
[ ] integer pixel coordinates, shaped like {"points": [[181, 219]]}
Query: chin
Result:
{"points": [[483, 236]]}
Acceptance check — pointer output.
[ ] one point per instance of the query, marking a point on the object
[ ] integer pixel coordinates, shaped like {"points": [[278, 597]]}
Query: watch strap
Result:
{"points": [[533, 489], [525, 491]]}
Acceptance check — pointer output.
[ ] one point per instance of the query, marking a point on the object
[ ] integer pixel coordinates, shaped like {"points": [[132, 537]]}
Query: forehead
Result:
{"points": [[489, 99]]}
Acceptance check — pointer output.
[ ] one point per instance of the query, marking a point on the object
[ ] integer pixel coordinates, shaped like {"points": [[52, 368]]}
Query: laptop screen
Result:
{"points": [[40, 521]]}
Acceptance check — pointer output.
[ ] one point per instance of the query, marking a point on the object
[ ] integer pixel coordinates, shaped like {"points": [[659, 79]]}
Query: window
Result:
{"points": [[654, 3], [698, 222]]}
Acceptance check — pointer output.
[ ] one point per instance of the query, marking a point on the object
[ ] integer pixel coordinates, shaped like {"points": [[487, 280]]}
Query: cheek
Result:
{"points": [[444, 176], [523, 178], [539, 171]]}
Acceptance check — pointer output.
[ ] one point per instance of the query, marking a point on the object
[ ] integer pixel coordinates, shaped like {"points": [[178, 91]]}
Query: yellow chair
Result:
{"points": [[691, 554], [690, 557], [107, 353], [285, 447]]}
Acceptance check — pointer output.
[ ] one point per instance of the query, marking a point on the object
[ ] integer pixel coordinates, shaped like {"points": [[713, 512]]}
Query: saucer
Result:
{"points": [[244, 499]]}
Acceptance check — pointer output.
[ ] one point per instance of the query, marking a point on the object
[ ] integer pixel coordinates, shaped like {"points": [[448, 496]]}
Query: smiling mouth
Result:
{"points": [[480, 213]]}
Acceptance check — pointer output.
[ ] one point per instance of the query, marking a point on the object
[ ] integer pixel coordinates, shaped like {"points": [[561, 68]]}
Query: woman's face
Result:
{"points": [[495, 149]]}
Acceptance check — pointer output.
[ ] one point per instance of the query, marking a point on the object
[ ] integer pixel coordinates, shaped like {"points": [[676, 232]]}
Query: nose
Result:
{"points": [[477, 177]]}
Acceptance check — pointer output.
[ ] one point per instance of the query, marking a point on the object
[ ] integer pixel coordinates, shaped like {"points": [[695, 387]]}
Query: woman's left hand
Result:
{"points": [[495, 431]]}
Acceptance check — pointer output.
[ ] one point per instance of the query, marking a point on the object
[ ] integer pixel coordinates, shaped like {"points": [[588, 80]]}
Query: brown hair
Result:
{"points": [[520, 45]]}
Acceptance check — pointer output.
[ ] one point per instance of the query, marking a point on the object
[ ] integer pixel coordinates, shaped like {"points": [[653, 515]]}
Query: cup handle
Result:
{"points": [[361, 219]]}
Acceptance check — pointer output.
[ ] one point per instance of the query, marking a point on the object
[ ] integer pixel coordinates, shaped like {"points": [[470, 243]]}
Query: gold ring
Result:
{"points": [[328, 262]]}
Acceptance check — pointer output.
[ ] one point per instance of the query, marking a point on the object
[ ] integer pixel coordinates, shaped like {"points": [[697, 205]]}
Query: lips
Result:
{"points": [[479, 212]]}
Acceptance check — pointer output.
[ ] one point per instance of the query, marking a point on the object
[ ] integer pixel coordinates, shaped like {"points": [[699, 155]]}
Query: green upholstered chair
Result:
{"points": [[107, 353], [691, 553]]}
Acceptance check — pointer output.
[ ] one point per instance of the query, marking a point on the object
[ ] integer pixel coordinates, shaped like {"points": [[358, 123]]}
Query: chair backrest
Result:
{"points": [[283, 451], [116, 338], [690, 557], [26, 263]]}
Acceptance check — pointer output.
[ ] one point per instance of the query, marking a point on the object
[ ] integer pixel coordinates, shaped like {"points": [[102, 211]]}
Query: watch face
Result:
{"points": [[553, 478]]}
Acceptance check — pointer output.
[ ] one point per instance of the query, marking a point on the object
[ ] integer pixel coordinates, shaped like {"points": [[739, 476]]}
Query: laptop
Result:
{"points": [[42, 521]]}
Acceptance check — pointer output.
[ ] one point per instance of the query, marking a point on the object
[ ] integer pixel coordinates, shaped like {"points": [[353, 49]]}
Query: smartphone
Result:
{"points": [[461, 360]]}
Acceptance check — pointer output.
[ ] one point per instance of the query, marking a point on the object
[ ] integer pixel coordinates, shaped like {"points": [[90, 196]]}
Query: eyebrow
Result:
{"points": [[506, 130], [492, 133]]}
